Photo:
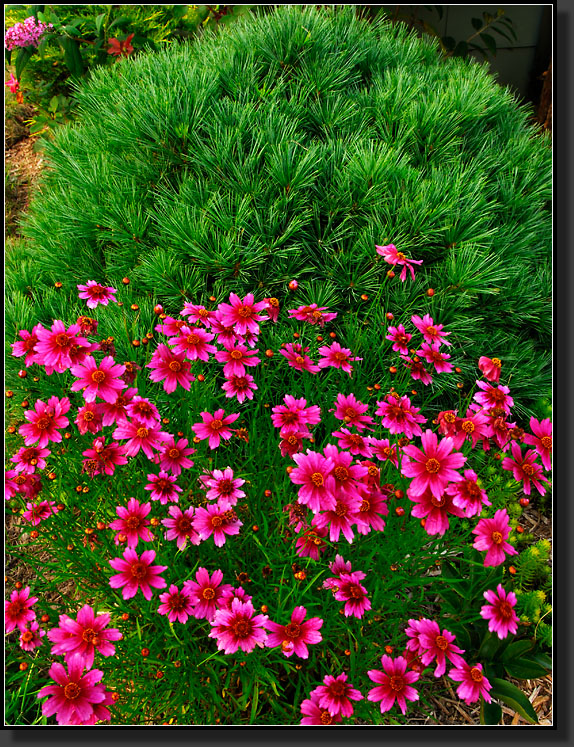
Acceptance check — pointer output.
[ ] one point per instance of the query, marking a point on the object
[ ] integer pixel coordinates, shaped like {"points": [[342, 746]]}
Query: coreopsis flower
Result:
{"points": [[225, 335], [176, 604], [18, 611], [383, 450], [243, 315], [180, 526], [494, 397], [492, 535], [163, 488], [121, 48], [295, 355], [88, 326], [28, 459], [143, 410], [113, 413], [474, 426], [31, 638], [341, 518], [137, 572], [334, 356], [502, 619], [98, 381], [418, 371], [101, 458], [525, 469], [314, 715], [351, 411], [541, 439], [45, 421], [94, 293], [56, 346], [312, 314], [27, 346], [241, 387], [373, 504], [399, 416], [430, 331], [207, 593], [313, 474], [174, 455], [336, 694], [198, 313], [141, 437], [292, 443], [432, 354], [83, 636], [348, 476], [37, 512], [215, 427], [354, 442], [11, 487], [490, 367], [238, 627], [294, 415], [27, 485], [217, 522], [132, 522], [298, 515], [447, 422], [394, 257], [230, 593], [468, 495], [170, 368], [473, 683], [338, 566], [353, 593], [393, 684], [172, 327], [432, 467], [414, 631], [236, 357], [75, 694], [272, 309], [193, 342], [223, 487], [439, 646], [311, 543], [294, 637], [434, 509], [400, 339], [89, 418]]}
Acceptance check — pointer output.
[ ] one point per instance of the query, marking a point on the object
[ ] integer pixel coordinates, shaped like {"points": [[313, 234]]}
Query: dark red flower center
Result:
{"points": [[350, 413], [472, 489], [183, 525], [505, 610], [292, 631], [139, 570], [43, 423], [30, 343], [16, 608], [396, 683], [215, 425], [240, 382], [290, 417], [72, 691], [341, 357], [242, 628], [133, 523], [62, 340], [229, 516], [90, 636], [355, 591], [163, 484], [497, 395], [177, 602], [338, 689], [225, 487], [476, 674], [98, 376], [317, 479], [356, 440], [365, 506], [432, 465], [341, 509], [438, 502]]}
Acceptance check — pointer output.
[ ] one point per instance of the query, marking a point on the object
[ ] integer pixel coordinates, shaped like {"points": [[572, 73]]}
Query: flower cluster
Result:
{"points": [[25, 34]]}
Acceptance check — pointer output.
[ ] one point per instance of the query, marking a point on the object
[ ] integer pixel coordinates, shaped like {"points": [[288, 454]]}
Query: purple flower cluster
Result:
{"points": [[26, 34]]}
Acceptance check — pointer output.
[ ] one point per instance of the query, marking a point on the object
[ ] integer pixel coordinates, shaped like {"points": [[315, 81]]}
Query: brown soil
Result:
{"points": [[23, 167]]}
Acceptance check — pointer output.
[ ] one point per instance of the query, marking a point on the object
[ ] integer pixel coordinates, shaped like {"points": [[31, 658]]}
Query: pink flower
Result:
{"points": [[177, 605], [174, 456], [491, 535], [336, 695], [354, 442], [38, 512], [132, 522], [468, 495], [25, 34], [44, 422], [27, 346], [372, 505], [236, 357], [297, 359], [432, 354], [27, 460], [75, 696], [439, 646], [207, 594], [400, 339], [102, 458], [83, 636], [433, 467], [399, 416], [98, 381], [541, 440], [393, 684], [238, 627], [490, 367], [351, 411], [115, 412], [473, 683], [240, 387], [89, 418], [475, 426], [353, 593], [193, 342], [313, 474], [383, 450], [141, 437], [172, 327], [12, 83], [502, 619], [494, 397], [223, 487], [242, 314], [230, 593], [143, 410], [430, 331], [272, 309], [525, 469], [198, 314], [414, 631], [312, 314], [170, 368], [394, 257], [418, 371], [294, 637], [56, 346], [292, 443], [434, 510], [163, 488], [348, 476], [180, 526], [295, 415], [336, 357], [136, 572], [315, 715], [216, 521], [18, 611], [94, 293], [215, 427], [31, 638], [310, 544], [341, 518]]}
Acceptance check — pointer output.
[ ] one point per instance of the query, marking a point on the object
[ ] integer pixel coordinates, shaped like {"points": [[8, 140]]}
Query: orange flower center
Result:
{"points": [[43, 423], [27, 636], [292, 630], [468, 426], [139, 570], [273, 301], [528, 469], [215, 425], [341, 509], [497, 362], [341, 473], [88, 416], [300, 360], [90, 636], [441, 642], [192, 339], [133, 523], [72, 691], [237, 355], [326, 718], [546, 442], [350, 413], [142, 433], [401, 256], [340, 356], [396, 683], [98, 376], [203, 313], [62, 341], [208, 593], [432, 465], [449, 417], [365, 506], [317, 479], [173, 453], [216, 521], [242, 628], [476, 674], [175, 366], [245, 311], [497, 538]]}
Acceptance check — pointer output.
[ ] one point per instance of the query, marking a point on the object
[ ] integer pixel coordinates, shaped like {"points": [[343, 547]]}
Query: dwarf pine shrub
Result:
{"points": [[287, 147]]}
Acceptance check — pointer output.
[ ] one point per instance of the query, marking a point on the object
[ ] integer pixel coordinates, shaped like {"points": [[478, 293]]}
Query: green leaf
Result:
{"points": [[72, 30], [489, 646], [72, 55], [461, 49], [53, 105], [476, 23], [449, 42], [502, 33], [516, 649], [490, 43], [490, 713], [99, 21], [22, 58], [514, 698], [525, 669], [121, 21]]}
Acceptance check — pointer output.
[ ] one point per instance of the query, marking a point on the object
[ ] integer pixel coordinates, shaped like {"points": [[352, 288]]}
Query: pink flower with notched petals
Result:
{"points": [[493, 397], [341, 518], [295, 355], [222, 486], [335, 356], [490, 367], [418, 371], [193, 342], [76, 695], [474, 426], [174, 455], [432, 354], [83, 636], [439, 646], [215, 427], [433, 467], [176, 604], [141, 437], [217, 522], [31, 638], [393, 684], [348, 476], [413, 631], [243, 315], [27, 346], [336, 694], [434, 509], [171, 327], [56, 346], [294, 415], [353, 593], [492, 535], [89, 418], [294, 637], [313, 474], [373, 504], [240, 386], [311, 543], [28, 460], [207, 593], [430, 331], [144, 410], [502, 619], [292, 443], [137, 572], [101, 458], [230, 593], [236, 357], [132, 522], [399, 416], [198, 313], [468, 495], [45, 421], [314, 715], [525, 469], [541, 439], [394, 257], [238, 627], [113, 413], [180, 526], [98, 381], [312, 314], [94, 293], [38, 512], [163, 488], [473, 683], [354, 442], [170, 368], [18, 611], [400, 339], [352, 412]]}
